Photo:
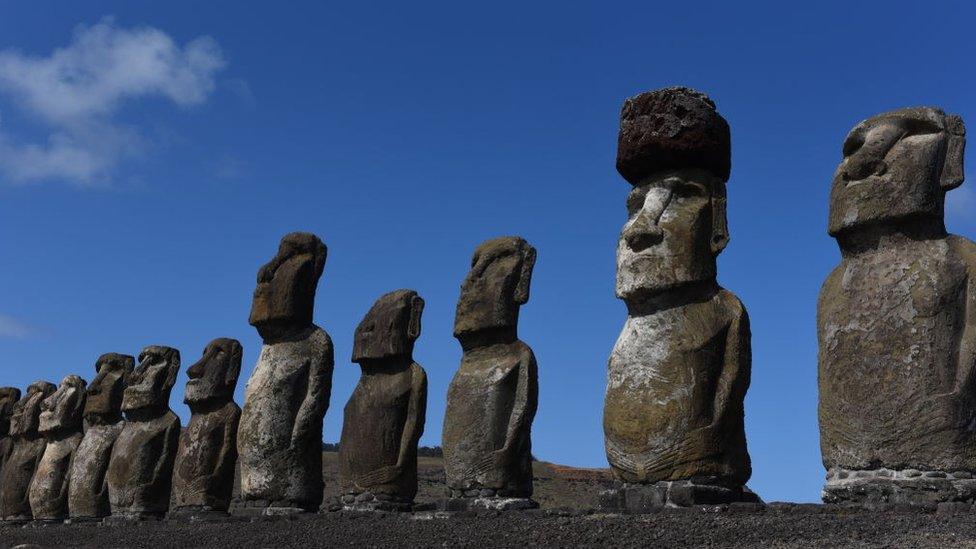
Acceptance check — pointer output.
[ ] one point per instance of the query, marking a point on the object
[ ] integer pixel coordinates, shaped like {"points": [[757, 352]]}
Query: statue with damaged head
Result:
{"points": [[60, 424], [8, 398], [28, 448]]}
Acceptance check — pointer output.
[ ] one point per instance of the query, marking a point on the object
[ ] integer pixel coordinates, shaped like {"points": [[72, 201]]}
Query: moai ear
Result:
{"points": [[416, 310], [525, 276], [174, 367], [952, 167], [234, 369], [80, 398], [720, 223]]}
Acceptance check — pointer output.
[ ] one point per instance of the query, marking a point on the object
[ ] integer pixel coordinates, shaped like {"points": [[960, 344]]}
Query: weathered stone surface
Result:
{"points": [[886, 486], [680, 369], [88, 487], [140, 472], [28, 447], [60, 424], [493, 397], [204, 473], [897, 317], [8, 398], [280, 435], [653, 498], [385, 415]]}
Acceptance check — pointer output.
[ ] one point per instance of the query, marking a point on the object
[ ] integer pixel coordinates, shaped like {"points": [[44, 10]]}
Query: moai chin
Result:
{"points": [[385, 415], [493, 397], [88, 486], [678, 374], [896, 321], [204, 475], [61, 426], [280, 437], [28, 447], [8, 398], [140, 471]]}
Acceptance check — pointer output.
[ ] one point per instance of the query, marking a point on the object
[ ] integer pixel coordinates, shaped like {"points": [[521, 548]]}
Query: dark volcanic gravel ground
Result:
{"points": [[777, 526]]}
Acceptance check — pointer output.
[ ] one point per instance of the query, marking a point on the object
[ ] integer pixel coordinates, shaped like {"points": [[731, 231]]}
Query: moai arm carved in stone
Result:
{"points": [[140, 473], [8, 398], [204, 474], [896, 320], [61, 426], [280, 435], [385, 415], [27, 452], [493, 397], [88, 486], [678, 374]]}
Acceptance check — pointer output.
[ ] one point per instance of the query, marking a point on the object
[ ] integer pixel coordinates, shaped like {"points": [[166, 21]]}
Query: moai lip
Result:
{"points": [[61, 426], [487, 445], [895, 330], [28, 448], [678, 374], [280, 450], [385, 415]]}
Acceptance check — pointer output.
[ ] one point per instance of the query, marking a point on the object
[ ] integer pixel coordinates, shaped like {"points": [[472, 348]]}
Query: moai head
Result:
{"points": [[214, 377], [62, 411], [897, 167], [151, 382], [675, 149], [8, 398], [27, 412], [497, 284], [390, 328], [285, 294], [104, 402]]}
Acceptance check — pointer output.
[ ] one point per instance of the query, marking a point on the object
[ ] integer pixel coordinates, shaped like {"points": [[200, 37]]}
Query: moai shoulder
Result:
{"points": [[141, 468], [88, 487], [493, 397], [61, 426], [896, 321], [204, 473], [384, 418], [678, 374], [280, 435], [28, 447]]}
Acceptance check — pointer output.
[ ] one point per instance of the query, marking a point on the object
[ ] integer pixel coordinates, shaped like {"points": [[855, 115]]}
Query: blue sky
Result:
{"points": [[152, 155]]}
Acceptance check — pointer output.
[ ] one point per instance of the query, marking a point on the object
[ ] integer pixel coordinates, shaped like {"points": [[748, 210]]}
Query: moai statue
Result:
{"points": [[8, 398], [897, 319], [204, 475], [385, 415], [61, 425], [493, 397], [280, 438], [140, 471], [88, 490], [28, 448], [678, 374]]}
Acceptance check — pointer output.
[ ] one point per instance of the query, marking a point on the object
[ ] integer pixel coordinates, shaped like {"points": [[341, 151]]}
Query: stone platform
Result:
{"points": [[907, 486], [652, 498]]}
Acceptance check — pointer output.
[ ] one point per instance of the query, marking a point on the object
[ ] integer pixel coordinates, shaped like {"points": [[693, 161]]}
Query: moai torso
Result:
{"points": [[896, 318], [141, 468], [204, 475], [88, 487], [493, 397], [280, 435], [61, 425], [28, 449], [8, 397], [678, 374], [385, 415]]}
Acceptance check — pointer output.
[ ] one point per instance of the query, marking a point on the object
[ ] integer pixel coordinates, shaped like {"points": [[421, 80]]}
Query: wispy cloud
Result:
{"points": [[76, 93], [11, 328]]}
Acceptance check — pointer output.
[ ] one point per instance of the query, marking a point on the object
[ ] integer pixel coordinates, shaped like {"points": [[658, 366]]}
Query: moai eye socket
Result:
{"points": [[635, 201]]}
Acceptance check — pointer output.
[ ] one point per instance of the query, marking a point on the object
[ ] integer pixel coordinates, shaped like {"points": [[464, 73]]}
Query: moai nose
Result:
{"points": [[644, 231]]}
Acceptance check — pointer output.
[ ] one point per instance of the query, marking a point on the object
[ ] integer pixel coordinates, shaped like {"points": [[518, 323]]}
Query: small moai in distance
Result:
{"points": [[28, 448], [8, 398], [385, 415], [60, 424], [203, 478], [280, 435], [678, 374], [88, 486], [493, 397], [897, 319], [140, 471]]}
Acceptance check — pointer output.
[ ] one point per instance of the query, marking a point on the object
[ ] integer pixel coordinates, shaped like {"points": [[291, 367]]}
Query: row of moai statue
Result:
{"points": [[113, 450]]}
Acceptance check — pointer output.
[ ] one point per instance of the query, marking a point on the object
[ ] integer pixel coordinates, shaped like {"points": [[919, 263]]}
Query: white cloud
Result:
{"points": [[77, 91], [12, 328]]}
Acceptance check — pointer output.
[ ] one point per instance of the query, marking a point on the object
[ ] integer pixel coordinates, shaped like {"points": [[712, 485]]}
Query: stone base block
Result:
{"points": [[128, 518], [16, 520], [264, 508], [197, 513], [492, 503], [908, 486], [652, 498], [368, 501], [83, 520]]}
